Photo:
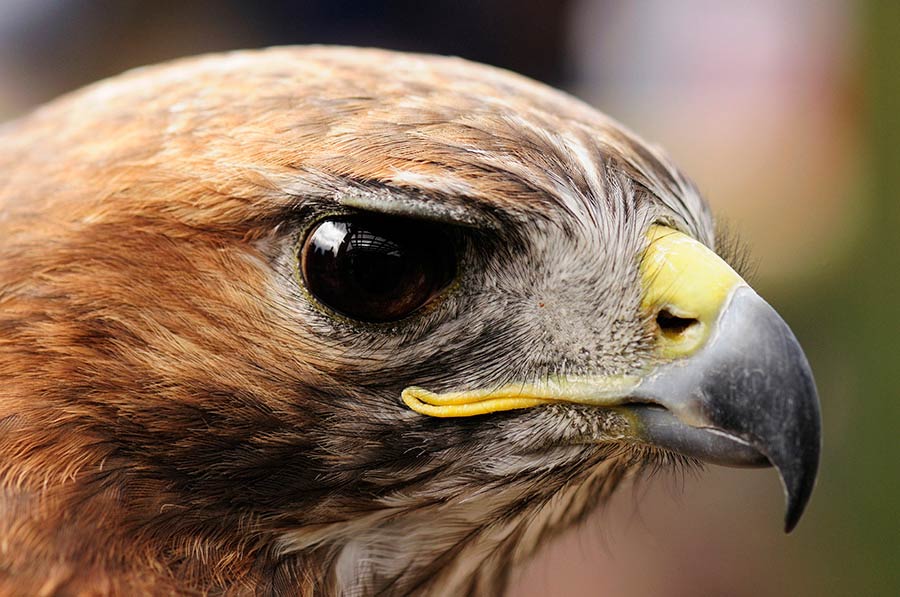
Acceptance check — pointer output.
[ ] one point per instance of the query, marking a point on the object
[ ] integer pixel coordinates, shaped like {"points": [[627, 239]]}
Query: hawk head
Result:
{"points": [[344, 320]]}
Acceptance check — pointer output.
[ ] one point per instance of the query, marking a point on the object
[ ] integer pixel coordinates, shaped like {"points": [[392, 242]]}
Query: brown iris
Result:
{"points": [[376, 269]]}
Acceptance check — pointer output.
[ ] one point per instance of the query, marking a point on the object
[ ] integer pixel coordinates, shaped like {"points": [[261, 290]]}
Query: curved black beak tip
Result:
{"points": [[797, 499], [798, 474], [777, 411], [798, 478]]}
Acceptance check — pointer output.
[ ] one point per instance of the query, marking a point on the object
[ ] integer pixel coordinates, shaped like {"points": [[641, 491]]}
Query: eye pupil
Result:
{"points": [[376, 269], [377, 265]]}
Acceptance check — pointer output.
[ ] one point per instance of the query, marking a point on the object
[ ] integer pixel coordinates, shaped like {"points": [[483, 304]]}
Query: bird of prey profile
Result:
{"points": [[334, 321]]}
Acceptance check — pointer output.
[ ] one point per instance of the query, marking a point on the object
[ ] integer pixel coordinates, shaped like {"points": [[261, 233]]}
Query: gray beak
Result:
{"points": [[746, 398]]}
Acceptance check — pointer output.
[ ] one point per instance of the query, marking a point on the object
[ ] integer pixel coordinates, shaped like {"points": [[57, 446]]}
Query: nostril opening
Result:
{"points": [[672, 325]]}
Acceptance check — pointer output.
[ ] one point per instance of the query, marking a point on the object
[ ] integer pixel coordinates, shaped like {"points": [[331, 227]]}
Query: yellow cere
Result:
{"points": [[679, 275], [684, 277]]}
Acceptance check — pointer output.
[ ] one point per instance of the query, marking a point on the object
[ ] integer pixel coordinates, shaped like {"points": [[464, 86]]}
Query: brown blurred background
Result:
{"points": [[785, 112]]}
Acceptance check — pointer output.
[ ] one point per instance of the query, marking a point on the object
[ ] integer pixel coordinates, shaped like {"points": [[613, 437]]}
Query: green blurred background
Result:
{"points": [[785, 112]]}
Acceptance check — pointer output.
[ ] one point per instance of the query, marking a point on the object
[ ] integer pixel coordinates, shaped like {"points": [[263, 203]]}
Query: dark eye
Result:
{"points": [[376, 269]]}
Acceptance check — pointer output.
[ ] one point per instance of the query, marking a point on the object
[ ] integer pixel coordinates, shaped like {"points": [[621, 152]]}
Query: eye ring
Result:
{"points": [[376, 269]]}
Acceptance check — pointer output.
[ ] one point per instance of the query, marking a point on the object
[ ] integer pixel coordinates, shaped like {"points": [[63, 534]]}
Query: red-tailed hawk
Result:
{"points": [[342, 321]]}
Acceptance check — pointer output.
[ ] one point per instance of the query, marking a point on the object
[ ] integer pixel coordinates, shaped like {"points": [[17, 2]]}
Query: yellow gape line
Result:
{"points": [[594, 390], [681, 278], [454, 404]]}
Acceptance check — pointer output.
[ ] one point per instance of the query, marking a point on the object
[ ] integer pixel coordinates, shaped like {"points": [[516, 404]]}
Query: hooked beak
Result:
{"points": [[732, 385], [748, 392]]}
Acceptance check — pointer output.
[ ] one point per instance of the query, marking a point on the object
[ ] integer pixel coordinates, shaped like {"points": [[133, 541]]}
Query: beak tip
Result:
{"points": [[796, 505], [799, 480], [797, 493], [792, 517]]}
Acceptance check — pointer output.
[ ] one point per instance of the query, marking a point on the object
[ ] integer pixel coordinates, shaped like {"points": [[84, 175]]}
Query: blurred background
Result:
{"points": [[785, 113]]}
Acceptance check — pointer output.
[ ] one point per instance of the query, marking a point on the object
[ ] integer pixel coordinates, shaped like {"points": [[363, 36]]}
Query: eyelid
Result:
{"points": [[396, 202]]}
